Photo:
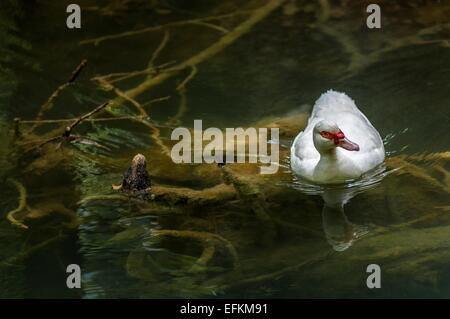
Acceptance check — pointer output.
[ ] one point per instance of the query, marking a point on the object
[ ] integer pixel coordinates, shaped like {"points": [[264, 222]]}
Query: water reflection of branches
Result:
{"points": [[358, 59], [206, 239], [200, 22], [152, 80], [49, 103]]}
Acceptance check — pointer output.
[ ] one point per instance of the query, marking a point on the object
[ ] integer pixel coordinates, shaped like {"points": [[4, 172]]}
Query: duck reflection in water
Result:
{"points": [[340, 233]]}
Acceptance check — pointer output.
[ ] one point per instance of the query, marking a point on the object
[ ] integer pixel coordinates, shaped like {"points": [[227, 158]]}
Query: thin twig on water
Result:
{"points": [[49, 103]]}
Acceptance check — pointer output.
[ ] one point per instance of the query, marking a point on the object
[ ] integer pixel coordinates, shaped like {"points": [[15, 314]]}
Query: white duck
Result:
{"points": [[338, 144]]}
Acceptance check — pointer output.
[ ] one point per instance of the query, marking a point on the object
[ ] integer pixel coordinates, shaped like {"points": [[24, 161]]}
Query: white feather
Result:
{"points": [[338, 108]]}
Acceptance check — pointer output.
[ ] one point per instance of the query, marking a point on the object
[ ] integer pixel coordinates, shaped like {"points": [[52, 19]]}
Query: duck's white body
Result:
{"points": [[337, 164]]}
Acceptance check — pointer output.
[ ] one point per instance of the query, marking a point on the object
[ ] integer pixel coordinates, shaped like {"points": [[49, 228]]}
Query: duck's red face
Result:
{"points": [[340, 140]]}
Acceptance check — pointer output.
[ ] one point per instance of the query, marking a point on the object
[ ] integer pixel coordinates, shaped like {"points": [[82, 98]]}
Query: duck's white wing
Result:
{"points": [[303, 143], [304, 156]]}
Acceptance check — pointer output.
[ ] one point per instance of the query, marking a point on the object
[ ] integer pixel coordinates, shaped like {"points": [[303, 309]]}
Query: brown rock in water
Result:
{"points": [[136, 178]]}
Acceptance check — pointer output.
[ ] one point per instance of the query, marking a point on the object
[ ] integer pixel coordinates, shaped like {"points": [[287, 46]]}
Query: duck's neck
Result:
{"points": [[327, 169], [328, 160], [328, 155], [335, 167]]}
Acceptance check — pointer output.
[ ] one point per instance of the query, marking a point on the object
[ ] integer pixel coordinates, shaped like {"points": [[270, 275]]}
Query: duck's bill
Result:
{"points": [[348, 145]]}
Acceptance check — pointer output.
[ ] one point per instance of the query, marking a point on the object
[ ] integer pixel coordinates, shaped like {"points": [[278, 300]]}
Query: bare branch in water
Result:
{"points": [[68, 130], [108, 86], [182, 109], [279, 273], [211, 26], [191, 75], [18, 121], [49, 103], [29, 252], [77, 71], [143, 119], [199, 21], [360, 58], [83, 117], [256, 16], [204, 237], [159, 99], [161, 46], [156, 135], [128, 75], [21, 207], [161, 74], [56, 121]]}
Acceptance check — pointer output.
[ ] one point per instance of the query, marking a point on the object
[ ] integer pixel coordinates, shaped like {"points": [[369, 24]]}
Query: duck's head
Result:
{"points": [[327, 136]]}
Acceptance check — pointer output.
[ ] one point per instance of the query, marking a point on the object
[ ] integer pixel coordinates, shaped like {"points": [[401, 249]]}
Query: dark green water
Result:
{"points": [[398, 76]]}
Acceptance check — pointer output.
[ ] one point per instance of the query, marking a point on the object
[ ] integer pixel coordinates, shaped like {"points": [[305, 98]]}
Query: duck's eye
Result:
{"points": [[327, 135]]}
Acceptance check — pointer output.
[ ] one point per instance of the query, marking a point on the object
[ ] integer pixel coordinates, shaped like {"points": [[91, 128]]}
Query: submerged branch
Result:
{"points": [[256, 16], [158, 50], [56, 121], [211, 26], [251, 195], [84, 117], [22, 204], [48, 104], [96, 41], [116, 77], [108, 86], [155, 135], [204, 237], [279, 273], [118, 197], [158, 99], [191, 75], [208, 253], [29, 252], [66, 135], [182, 109], [143, 119]]}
